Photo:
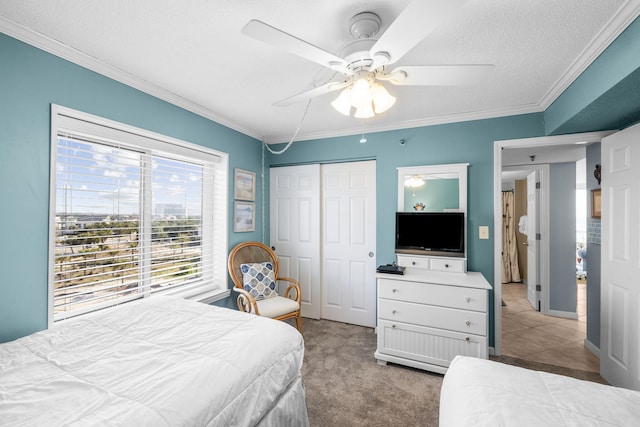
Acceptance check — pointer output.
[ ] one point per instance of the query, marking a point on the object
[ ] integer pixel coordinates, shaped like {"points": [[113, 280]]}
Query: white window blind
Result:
{"points": [[134, 214]]}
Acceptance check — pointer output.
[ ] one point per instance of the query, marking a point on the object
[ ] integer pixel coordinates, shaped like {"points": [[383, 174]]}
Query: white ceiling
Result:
{"points": [[194, 55], [517, 163]]}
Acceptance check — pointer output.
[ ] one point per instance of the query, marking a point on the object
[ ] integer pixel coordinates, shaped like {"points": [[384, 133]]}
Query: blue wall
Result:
{"points": [[562, 237], [605, 95], [30, 81]]}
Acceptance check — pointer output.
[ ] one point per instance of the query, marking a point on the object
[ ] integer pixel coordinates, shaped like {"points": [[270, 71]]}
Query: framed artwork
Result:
{"points": [[244, 217], [244, 184], [596, 202]]}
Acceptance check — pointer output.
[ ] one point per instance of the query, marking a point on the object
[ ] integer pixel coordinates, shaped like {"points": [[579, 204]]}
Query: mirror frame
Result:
{"points": [[459, 168]]}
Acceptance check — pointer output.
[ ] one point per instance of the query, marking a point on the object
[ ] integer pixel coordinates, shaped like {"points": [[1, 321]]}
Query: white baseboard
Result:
{"points": [[565, 314], [592, 348]]}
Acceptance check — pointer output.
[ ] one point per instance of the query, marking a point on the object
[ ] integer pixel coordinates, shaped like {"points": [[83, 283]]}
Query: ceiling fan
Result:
{"points": [[365, 62]]}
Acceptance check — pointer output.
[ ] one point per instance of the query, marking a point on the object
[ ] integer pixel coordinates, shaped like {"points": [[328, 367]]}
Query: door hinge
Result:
{"points": [[538, 185], [538, 236], [538, 288]]}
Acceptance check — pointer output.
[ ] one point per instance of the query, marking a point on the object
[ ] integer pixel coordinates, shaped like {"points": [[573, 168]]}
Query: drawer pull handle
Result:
{"points": [[413, 263], [394, 326], [467, 299], [394, 290], [393, 312], [467, 323], [446, 266], [467, 339]]}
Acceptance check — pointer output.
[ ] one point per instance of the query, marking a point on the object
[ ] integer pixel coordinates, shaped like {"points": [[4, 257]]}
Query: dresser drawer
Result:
{"points": [[452, 265], [472, 322], [428, 345], [418, 262], [432, 294], [447, 264]]}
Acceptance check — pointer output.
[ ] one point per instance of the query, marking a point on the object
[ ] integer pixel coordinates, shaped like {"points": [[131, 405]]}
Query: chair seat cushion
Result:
{"points": [[277, 306], [259, 280]]}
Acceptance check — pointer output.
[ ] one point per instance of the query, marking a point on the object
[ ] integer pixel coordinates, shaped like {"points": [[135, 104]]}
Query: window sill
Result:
{"points": [[211, 296]]}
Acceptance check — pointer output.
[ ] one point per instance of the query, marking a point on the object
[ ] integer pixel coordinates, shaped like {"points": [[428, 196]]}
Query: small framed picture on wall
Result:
{"points": [[244, 184], [596, 203], [244, 217]]}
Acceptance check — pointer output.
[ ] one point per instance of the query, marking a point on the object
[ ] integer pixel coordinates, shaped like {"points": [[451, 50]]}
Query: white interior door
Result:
{"points": [[533, 251], [349, 242], [295, 229], [620, 233]]}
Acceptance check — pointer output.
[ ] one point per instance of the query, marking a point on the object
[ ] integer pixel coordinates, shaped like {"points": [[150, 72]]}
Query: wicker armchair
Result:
{"points": [[278, 307]]}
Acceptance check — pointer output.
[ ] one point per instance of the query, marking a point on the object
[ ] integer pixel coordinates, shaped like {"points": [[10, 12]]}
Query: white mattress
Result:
{"points": [[479, 392], [156, 362]]}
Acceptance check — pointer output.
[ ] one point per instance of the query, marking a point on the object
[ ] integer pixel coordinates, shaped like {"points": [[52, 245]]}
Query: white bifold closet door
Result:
{"points": [[295, 229], [323, 219]]}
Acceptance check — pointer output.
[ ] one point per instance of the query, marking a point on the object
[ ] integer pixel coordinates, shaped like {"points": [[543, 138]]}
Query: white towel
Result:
{"points": [[522, 225]]}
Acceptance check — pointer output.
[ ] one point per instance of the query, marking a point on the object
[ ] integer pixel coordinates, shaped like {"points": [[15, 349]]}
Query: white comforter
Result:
{"points": [[479, 392], [157, 362]]}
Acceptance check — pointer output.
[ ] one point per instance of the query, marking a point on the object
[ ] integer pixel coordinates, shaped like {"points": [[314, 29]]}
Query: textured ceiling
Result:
{"points": [[194, 55]]}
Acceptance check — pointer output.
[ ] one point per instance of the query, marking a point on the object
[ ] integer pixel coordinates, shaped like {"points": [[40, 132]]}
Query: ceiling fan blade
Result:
{"points": [[316, 91], [438, 75], [415, 22], [278, 38]]}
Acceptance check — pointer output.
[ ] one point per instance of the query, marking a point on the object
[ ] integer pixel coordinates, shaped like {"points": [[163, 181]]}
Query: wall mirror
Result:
{"points": [[433, 188]]}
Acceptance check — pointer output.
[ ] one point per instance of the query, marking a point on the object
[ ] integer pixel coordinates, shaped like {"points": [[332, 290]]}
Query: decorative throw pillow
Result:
{"points": [[259, 280]]}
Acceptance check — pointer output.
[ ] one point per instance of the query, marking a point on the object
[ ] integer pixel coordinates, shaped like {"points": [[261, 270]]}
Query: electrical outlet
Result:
{"points": [[483, 231]]}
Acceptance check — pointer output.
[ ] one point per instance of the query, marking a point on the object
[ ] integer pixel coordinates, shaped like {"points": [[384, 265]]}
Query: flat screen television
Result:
{"points": [[430, 233]]}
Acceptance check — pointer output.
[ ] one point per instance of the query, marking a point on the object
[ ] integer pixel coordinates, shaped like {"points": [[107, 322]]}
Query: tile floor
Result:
{"points": [[529, 335]]}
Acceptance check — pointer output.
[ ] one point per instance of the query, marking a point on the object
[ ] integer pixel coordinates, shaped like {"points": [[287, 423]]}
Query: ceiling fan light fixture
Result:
{"points": [[364, 112], [414, 181], [361, 93], [342, 103], [382, 100], [367, 98]]}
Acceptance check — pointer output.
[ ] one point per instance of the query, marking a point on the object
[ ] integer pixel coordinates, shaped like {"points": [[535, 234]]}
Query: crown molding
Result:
{"points": [[550, 140], [407, 124], [89, 62], [616, 25]]}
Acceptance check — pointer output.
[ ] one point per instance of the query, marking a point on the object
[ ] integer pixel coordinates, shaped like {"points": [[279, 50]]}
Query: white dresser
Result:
{"points": [[430, 314]]}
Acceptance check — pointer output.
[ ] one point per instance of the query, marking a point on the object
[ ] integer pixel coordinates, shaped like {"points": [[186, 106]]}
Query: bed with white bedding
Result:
{"points": [[479, 392], [160, 361]]}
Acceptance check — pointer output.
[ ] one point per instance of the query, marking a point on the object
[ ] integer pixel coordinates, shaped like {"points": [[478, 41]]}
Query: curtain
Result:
{"points": [[510, 270]]}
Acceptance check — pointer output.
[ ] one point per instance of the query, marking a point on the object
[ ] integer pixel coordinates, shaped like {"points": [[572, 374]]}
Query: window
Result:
{"points": [[133, 214]]}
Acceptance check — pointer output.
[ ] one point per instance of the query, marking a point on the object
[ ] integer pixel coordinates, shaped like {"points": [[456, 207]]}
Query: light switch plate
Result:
{"points": [[483, 231]]}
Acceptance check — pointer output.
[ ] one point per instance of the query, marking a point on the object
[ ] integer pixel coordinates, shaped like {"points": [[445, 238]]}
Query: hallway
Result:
{"points": [[527, 334]]}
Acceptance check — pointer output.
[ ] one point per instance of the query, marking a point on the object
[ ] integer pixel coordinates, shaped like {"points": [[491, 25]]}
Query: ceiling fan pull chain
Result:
{"points": [[306, 110]]}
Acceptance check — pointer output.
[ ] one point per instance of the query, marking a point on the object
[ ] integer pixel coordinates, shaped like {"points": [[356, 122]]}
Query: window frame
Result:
{"points": [[77, 123]]}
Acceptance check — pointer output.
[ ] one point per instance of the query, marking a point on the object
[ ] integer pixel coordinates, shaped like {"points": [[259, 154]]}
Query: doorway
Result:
{"points": [[531, 143], [553, 336]]}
